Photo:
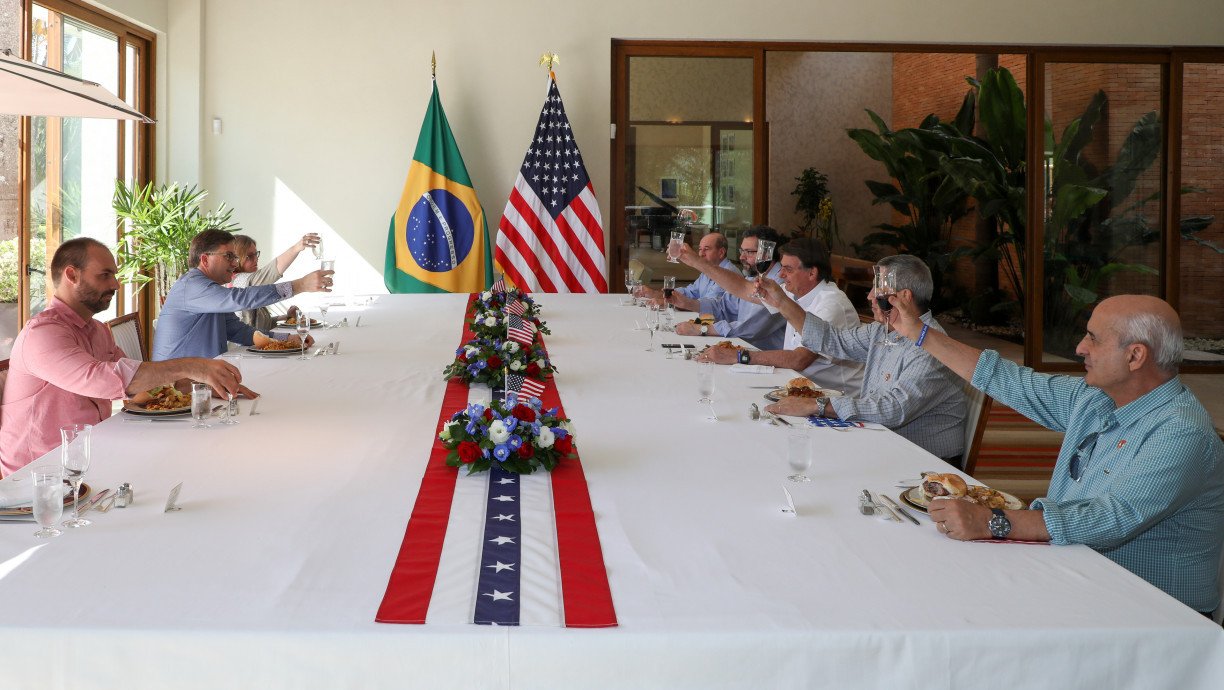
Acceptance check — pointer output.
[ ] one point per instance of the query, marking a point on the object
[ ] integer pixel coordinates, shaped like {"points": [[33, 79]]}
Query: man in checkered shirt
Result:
{"points": [[1140, 476]]}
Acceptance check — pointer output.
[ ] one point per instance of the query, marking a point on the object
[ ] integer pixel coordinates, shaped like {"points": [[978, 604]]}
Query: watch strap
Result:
{"points": [[745, 357]]}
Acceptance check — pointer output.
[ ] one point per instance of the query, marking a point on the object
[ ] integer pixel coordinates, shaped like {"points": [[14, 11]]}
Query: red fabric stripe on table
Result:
{"points": [[585, 594], [411, 584]]}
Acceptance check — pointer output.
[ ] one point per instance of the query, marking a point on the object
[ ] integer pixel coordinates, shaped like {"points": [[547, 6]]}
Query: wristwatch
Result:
{"points": [[822, 404], [999, 525], [704, 329], [745, 357]]}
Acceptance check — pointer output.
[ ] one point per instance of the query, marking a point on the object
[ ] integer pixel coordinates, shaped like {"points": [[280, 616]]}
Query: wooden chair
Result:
{"points": [[126, 331], [3, 377], [975, 426]]}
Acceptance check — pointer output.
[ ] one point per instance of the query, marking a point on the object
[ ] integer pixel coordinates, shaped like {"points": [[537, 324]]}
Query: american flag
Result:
{"points": [[517, 383], [551, 237], [520, 331], [516, 307], [499, 285]]}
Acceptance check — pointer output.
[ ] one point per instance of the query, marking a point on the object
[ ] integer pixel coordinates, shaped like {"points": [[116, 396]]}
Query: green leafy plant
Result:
{"points": [[815, 206], [8, 265], [161, 221], [924, 196]]}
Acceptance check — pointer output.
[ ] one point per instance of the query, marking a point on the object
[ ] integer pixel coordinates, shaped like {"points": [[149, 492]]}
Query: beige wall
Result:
{"points": [[813, 98], [322, 101]]}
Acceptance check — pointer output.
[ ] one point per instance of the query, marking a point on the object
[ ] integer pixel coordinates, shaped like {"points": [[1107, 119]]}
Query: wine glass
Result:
{"points": [[318, 249], [201, 398], [669, 286], [764, 256], [74, 455], [48, 502], [799, 454], [323, 314], [303, 329], [652, 323], [673, 247], [628, 287], [884, 283], [231, 409]]}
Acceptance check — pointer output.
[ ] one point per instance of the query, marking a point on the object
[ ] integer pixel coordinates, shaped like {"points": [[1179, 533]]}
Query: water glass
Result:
{"points": [[201, 399], [705, 382], [673, 247], [669, 286], [799, 454], [74, 456], [231, 409], [48, 502], [629, 279], [318, 249]]}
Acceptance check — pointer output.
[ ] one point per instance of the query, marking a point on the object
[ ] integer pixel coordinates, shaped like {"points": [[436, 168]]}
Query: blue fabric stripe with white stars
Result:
{"points": [[497, 590]]}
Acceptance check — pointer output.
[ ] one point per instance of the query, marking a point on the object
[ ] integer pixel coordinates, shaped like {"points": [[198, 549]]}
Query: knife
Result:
{"points": [[885, 509], [93, 502], [899, 509]]}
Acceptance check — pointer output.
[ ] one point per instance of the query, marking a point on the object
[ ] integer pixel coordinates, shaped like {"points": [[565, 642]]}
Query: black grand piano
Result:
{"points": [[653, 221]]}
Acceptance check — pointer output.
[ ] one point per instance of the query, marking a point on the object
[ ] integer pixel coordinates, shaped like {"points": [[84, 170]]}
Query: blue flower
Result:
{"points": [[480, 364], [501, 452], [561, 433], [552, 412], [474, 410], [510, 421], [514, 442], [512, 399], [471, 426]]}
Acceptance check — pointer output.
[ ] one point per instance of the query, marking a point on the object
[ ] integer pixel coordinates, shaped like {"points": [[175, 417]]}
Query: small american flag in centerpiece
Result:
{"points": [[517, 383], [519, 330]]}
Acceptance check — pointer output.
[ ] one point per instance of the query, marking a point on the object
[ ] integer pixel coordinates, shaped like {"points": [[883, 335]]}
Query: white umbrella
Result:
{"points": [[30, 89]]}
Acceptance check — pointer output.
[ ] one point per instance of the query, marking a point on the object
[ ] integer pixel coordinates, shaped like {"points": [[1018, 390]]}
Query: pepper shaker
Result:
{"points": [[124, 498]]}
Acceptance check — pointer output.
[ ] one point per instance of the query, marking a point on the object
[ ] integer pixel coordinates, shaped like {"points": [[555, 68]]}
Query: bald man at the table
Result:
{"points": [[1140, 476]]}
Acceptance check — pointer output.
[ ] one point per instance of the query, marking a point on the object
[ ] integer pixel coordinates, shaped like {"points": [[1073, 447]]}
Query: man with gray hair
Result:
{"points": [[1140, 475], [904, 388]]}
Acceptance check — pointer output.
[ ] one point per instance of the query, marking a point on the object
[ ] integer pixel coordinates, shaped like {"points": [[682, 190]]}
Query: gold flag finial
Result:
{"points": [[549, 59], [433, 64]]}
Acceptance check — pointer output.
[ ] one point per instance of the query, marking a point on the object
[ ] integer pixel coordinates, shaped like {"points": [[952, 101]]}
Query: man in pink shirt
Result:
{"points": [[65, 367]]}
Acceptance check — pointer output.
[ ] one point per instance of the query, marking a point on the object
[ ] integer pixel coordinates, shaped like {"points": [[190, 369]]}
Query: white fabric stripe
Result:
{"points": [[587, 239], [522, 229], [554, 232], [540, 579], [454, 593]]}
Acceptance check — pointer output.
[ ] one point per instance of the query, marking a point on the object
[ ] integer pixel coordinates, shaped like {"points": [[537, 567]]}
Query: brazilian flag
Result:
{"points": [[438, 240]]}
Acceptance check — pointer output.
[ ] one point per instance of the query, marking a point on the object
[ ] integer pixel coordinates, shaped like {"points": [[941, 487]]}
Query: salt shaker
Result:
{"points": [[124, 498]]}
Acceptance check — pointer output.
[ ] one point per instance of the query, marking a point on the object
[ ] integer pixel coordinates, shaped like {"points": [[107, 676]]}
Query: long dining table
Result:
{"points": [[271, 573]]}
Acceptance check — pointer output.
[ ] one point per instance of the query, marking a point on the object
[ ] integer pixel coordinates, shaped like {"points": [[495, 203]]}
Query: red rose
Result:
{"points": [[488, 414], [462, 357], [564, 446], [468, 451], [532, 369], [524, 413], [525, 451], [495, 362]]}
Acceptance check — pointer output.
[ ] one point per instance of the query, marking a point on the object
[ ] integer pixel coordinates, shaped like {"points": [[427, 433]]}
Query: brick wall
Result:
{"points": [[934, 83]]}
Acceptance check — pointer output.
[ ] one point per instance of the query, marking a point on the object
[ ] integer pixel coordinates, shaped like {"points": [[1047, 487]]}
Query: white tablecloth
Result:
{"points": [[271, 574]]}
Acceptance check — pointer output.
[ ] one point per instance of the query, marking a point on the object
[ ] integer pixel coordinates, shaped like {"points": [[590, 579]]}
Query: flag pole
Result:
{"points": [[433, 65]]}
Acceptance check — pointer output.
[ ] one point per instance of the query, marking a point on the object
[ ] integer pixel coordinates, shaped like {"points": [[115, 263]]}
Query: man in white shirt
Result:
{"points": [[804, 271]]}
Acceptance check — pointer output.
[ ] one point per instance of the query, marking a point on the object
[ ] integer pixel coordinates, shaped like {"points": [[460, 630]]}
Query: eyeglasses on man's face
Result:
{"points": [[229, 256], [748, 250], [252, 255]]}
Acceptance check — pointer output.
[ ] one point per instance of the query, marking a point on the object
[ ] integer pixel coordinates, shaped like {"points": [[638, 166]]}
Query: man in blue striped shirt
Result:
{"points": [[1140, 476]]}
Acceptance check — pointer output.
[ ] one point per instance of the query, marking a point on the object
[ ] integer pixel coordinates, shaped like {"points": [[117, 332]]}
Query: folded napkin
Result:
{"points": [[751, 369], [16, 494]]}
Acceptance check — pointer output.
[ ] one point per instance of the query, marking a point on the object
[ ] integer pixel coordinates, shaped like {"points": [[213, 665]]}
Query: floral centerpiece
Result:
{"points": [[492, 323], [485, 360], [516, 434], [497, 301]]}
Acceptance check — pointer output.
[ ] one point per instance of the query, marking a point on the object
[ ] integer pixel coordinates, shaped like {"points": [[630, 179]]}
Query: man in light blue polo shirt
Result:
{"points": [[711, 248], [198, 320], [1140, 476]]}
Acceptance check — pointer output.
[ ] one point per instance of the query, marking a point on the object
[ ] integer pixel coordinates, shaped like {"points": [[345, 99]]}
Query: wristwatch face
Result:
{"points": [[704, 329], [1000, 526]]}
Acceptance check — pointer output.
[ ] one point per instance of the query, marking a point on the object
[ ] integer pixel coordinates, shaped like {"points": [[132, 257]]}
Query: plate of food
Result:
{"points": [[28, 510], [291, 322], [936, 485], [159, 402], [271, 346], [800, 387]]}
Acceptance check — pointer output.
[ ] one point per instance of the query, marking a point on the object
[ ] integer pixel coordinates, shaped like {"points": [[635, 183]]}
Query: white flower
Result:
{"points": [[515, 365], [486, 295], [569, 428], [544, 439], [498, 433], [490, 321], [541, 363], [446, 431], [470, 350], [511, 346]]}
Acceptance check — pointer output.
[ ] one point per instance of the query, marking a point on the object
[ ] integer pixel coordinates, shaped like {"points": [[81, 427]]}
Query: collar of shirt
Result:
{"points": [[1147, 403], [60, 310]]}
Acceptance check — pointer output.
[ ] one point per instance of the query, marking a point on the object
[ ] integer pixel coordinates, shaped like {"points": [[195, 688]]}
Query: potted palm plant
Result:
{"points": [[160, 223]]}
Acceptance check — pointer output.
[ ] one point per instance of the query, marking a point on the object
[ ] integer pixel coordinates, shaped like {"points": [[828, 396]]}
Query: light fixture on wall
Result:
{"points": [[216, 125]]}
